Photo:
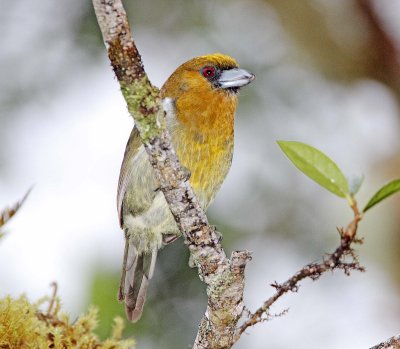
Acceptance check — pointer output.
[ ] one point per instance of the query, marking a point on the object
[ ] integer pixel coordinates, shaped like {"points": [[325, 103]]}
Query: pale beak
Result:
{"points": [[235, 78]]}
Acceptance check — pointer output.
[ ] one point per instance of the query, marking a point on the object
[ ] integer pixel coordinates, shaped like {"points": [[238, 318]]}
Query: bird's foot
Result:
{"points": [[217, 233], [191, 262], [185, 173]]}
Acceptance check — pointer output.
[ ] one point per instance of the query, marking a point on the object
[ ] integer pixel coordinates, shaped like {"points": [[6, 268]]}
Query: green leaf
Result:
{"points": [[387, 190], [317, 166]]}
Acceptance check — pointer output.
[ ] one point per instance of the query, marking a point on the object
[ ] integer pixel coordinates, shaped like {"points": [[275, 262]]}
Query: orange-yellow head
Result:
{"points": [[205, 91], [205, 94]]}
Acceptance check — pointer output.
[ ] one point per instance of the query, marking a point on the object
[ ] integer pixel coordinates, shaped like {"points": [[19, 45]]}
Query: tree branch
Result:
{"points": [[335, 260], [224, 277], [391, 343]]}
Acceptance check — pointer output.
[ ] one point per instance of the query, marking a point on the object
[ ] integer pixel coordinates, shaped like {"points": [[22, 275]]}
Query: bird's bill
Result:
{"points": [[235, 77]]}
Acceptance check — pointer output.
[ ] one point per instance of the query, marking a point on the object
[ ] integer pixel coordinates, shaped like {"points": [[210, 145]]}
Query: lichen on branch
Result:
{"points": [[143, 101], [23, 324]]}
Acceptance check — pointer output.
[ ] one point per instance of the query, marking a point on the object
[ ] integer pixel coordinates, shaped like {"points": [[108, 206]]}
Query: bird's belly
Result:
{"points": [[146, 220], [146, 230]]}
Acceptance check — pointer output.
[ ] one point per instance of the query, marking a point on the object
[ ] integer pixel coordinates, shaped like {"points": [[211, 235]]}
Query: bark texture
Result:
{"points": [[391, 343]]}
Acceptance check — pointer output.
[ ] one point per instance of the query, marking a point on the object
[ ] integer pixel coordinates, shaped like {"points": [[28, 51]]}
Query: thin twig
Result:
{"points": [[53, 298], [335, 260], [7, 213]]}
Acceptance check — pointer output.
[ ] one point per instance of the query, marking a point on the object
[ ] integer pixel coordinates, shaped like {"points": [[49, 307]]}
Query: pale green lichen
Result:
{"points": [[144, 104], [221, 283], [23, 325]]}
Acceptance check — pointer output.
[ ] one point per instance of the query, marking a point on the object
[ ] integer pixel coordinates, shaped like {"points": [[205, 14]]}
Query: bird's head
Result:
{"points": [[205, 89]]}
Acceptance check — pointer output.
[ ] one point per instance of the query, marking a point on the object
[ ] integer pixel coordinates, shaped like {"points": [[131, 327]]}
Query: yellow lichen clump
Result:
{"points": [[25, 325]]}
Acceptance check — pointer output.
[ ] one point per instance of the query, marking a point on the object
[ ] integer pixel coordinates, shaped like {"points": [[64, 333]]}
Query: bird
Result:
{"points": [[204, 94]]}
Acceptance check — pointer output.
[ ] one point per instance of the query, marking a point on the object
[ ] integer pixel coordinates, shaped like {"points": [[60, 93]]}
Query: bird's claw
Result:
{"points": [[191, 262], [218, 234], [185, 173]]}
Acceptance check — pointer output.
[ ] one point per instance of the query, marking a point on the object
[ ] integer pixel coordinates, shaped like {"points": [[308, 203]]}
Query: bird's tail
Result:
{"points": [[137, 270]]}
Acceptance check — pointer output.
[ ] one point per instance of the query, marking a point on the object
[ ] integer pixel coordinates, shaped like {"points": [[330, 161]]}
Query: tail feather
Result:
{"points": [[137, 270]]}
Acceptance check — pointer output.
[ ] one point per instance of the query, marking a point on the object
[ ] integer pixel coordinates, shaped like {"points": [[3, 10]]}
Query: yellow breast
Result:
{"points": [[203, 138], [208, 157]]}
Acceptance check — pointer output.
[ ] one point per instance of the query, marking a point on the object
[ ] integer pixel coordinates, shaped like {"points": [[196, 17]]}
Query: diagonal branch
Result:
{"points": [[335, 260], [224, 277], [391, 343]]}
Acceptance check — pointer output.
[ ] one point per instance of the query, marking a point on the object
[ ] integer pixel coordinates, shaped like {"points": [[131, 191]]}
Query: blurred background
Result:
{"points": [[328, 74]]}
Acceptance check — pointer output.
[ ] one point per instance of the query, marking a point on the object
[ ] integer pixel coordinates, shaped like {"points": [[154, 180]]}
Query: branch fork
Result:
{"points": [[335, 260]]}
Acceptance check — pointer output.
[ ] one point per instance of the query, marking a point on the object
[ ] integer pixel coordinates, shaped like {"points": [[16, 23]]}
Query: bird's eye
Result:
{"points": [[208, 72]]}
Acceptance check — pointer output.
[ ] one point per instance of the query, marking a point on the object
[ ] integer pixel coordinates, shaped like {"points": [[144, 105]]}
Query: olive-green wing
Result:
{"points": [[137, 186], [131, 151]]}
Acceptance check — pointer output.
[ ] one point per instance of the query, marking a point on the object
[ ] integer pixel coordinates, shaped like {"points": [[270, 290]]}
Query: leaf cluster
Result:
{"points": [[323, 170]]}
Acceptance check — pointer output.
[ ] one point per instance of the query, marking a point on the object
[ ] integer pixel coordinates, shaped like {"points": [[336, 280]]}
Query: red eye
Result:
{"points": [[208, 72]]}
